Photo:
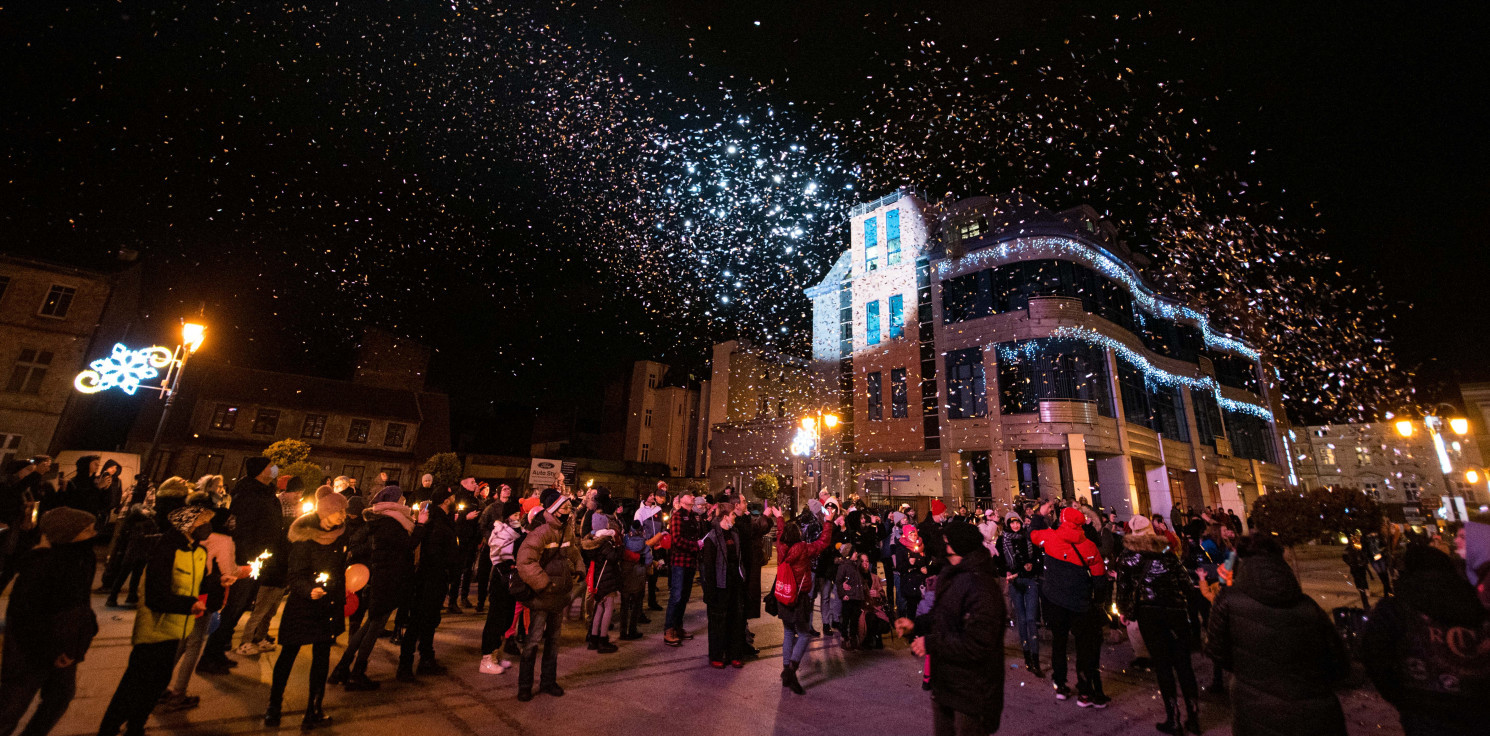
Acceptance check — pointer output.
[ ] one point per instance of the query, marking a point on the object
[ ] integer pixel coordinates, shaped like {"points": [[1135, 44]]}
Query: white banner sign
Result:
{"points": [[544, 473]]}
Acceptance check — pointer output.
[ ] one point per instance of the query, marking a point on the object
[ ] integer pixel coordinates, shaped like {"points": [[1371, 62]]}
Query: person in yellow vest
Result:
{"points": [[178, 590]]}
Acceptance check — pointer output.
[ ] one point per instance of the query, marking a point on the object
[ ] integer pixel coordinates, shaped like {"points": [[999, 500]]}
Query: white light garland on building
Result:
{"points": [[1152, 372], [1023, 248]]}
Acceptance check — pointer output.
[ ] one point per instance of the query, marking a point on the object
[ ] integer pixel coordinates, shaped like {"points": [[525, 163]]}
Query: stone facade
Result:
{"points": [[1403, 473]]}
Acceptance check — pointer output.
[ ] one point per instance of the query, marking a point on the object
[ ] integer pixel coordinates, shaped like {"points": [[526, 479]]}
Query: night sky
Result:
{"points": [[544, 195]]}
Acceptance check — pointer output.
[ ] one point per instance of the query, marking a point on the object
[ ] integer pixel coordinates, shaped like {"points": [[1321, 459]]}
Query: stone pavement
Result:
{"points": [[648, 688]]}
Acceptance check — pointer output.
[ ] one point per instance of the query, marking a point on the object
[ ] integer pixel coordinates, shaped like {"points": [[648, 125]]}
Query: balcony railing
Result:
{"points": [[1068, 411]]}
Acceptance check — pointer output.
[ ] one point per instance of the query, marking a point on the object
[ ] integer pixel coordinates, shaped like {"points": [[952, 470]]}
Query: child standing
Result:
{"points": [[636, 559]]}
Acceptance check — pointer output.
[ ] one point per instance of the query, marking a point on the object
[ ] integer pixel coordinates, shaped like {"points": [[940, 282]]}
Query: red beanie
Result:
{"points": [[937, 507], [1073, 516]]}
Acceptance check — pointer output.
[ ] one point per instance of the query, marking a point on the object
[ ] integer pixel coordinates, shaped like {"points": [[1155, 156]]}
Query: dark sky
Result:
{"points": [[219, 142]]}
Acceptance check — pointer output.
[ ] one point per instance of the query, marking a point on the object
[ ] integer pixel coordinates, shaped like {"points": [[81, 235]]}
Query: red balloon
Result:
{"points": [[351, 605]]}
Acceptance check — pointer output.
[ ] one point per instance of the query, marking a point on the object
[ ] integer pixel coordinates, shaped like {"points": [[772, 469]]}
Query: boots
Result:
{"points": [[314, 716], [789, 679], [338, 676], [1032, 664], [1171, 724], [603, 645], [672, 639], [1192, 716], [271, 714], [405, 670], [592, 642]]}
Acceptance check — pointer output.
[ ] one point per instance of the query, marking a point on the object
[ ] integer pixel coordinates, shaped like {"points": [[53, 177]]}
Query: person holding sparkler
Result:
{"points": [[314, 612]]}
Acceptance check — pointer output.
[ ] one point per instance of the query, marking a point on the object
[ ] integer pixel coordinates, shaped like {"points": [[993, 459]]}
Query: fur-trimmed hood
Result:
{"points": [[1145, 543], [307, 528]]}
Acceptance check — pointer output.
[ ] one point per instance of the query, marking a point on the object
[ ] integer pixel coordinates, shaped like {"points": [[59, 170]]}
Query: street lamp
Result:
{"points": [[808, 442], [1434, 423], [192, 334]]}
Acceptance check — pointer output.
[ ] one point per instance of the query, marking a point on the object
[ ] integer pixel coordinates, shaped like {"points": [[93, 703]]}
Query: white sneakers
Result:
{"points": [[250, 649], [490, 665]]}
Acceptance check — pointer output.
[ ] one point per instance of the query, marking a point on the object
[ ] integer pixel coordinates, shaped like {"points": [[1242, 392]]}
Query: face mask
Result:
{"points": [[201, 533]]}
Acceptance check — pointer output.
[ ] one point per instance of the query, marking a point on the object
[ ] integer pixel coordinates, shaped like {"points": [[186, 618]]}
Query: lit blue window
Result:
{"points": [[871, 243], [897, 316], [872, 323], [892, 237]]}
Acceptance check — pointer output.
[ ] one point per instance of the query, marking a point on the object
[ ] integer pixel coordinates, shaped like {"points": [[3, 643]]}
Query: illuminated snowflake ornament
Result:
{"points": [[124, 369]]}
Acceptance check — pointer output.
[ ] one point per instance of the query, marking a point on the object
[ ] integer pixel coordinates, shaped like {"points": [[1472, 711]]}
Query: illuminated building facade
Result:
{"points": [[985, 349]]}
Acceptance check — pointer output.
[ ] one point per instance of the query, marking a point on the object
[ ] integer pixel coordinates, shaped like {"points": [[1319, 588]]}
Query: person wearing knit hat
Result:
{"points": [[390, 494], [1073, 572], [1153, 595], [1022, 565], [330, 503], [179, 591], [1139, 526], [49, 623], [962, 637], [546, 562], [259, 527], [439, 555]]}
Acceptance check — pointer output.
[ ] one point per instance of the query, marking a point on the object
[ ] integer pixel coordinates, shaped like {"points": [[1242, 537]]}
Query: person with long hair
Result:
{"points": [[315, 607], [1154, 589], [721, 567], [795, 559]]}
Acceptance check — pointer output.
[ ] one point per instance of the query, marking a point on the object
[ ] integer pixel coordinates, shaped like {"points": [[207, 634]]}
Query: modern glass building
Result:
{"points": [[988, 348]]}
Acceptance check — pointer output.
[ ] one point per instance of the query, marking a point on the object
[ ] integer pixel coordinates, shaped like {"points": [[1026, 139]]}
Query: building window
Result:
{"points": [[206, 465], [58, 301], [266, 421], [966, 387], [897, 316], [871, 243], [1252, 437], [314, 426], [353, 471], [1362, 456], [224, 417], [892, 237], [647, 418], [1208, 418], [972, 227], [1236, 371], [898, 394], [394, 475], [651, 380], [1050, 368], [646, 451], [10, 445], [874, 382], [394, 437], [1372, 491], [357, 431], [29, 371], [1168, 407], [1412, 491], [872, 322], [1326, 456]]}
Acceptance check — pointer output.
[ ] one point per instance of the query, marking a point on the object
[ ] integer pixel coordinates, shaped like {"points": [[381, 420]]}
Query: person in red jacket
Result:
{"points": [[795, 559], [1073, 572]]}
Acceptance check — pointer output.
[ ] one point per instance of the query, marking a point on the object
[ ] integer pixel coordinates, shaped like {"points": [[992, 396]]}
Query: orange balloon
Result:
{"points": [[357, 576]]}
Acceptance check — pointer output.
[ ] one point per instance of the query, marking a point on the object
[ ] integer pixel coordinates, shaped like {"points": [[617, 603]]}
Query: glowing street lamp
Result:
{"points": [[1434, 424], [1472, 476], [1460, 425], [1404, 427]]}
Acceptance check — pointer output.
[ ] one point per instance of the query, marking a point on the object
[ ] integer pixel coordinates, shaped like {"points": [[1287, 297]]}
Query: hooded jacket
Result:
{"points": [[965, 639], [50, 612], [1068, 544], [314, 553], [388, 552], [1149, 575], [175, 575], [260, 520], [1283, 651], [546, 562]]}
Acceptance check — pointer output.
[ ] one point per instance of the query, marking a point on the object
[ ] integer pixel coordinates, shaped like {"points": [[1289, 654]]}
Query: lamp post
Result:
{"points": [[191, 339], [808, 443], [1434, 424]]}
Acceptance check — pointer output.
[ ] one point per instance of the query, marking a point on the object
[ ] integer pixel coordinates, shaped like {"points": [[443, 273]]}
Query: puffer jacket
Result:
{"points": [[315, 553], [965, 639], [849, 581], [175, 575], [389, 554], [546, 562], [1283, 651], [1018, 551], [1149, 575]]}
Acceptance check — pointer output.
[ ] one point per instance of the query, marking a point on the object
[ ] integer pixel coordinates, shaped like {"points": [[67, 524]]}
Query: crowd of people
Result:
{"points": [[194, 558]]}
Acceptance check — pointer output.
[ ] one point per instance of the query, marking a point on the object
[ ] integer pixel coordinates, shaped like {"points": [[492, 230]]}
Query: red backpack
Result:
{"points": [[785, 589]]}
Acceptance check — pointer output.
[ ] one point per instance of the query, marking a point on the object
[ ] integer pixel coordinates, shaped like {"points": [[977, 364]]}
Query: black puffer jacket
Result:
{"points": [[314, 553], [965, 639], [388, 554], [1149, 575], [1283, 650]]}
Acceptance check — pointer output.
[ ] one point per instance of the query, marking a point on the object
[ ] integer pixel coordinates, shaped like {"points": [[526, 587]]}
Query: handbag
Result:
{"points": [[785, 590], [771, 605], [519, 588]]}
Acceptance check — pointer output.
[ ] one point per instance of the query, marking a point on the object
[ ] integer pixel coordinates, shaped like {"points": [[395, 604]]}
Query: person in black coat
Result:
{"points": [[722, 571], [964, 637], [467, 517], [1280, 646], [1154, 589], [81, 492], [439, 557], [258, 527], [49, 624], [386, 547], [315, 607]]}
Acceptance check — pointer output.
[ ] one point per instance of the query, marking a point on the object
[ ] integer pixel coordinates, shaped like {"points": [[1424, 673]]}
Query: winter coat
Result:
{"points": [[260, 521], [140, 535], [467, 531], [716, 543], [1068, 544], [1283, 651], [911, 567], [965, 639], [314, 552], [439, 549], [1149, 575], [388, 552], [50, 613], [849, 581], [175, 575], [933, 543], [1017, 550], [80, 493], [634, 562], [604, 560], [546, 562], [1427, 650], [502, 544], [800, 558], [756, 551]]}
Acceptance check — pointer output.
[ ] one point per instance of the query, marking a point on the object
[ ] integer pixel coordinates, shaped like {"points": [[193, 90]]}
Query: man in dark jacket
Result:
{"points": [[1280, 646], [1073, 570], [258, 526], [386, 548], [467, 515], [964, 637], [439, 556], [49, 624]]}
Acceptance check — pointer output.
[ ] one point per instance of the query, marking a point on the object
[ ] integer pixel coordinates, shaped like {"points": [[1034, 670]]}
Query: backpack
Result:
{"points": [[786, 589]]}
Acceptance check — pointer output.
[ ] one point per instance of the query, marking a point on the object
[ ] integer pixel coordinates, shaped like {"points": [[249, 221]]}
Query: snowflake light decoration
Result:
{"points": [[124, 369]]}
